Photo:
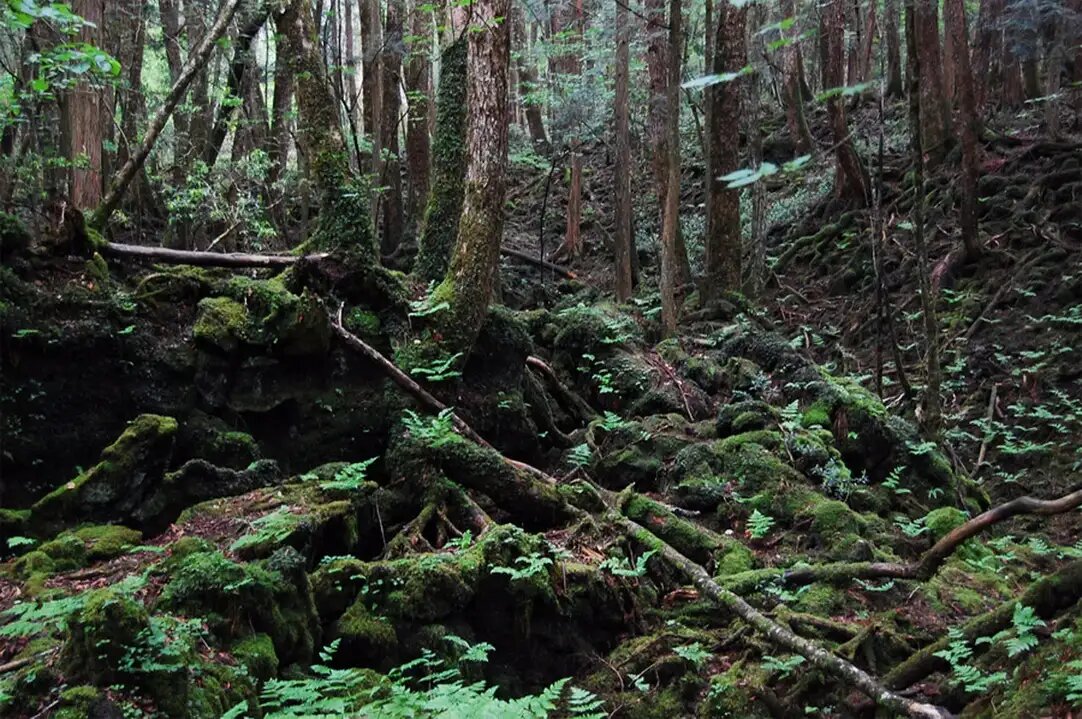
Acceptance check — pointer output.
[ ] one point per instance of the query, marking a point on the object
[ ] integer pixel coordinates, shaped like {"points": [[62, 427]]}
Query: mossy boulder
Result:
{"points": [[262, 315], [112, 489], [75, 548], [256, 654], [101, 633], [366, 638]]}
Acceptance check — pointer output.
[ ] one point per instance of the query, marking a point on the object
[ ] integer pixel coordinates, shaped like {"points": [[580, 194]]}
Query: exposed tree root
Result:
{"points": [[568, 399]]}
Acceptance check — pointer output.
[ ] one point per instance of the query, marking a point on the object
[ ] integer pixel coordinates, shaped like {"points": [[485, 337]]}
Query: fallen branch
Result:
{"points": [[929, 562], [203, 259], [817, 655], [558, 269]]}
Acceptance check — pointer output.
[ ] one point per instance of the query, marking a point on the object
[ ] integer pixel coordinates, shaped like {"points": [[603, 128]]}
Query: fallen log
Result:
{"points": [[203, 259], [545, 264]]}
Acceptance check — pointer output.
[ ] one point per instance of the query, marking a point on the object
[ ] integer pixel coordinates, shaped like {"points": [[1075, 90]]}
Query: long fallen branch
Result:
{"points": [[203, 259], [545, 264], [817, 655], [929, 562]]}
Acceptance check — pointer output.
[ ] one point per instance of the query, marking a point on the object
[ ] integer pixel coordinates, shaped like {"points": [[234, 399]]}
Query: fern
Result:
{"points": [[759, 524], [433, 431], [532, 565], [622, 567], [350, 477], [579, 456], [273, 528]]}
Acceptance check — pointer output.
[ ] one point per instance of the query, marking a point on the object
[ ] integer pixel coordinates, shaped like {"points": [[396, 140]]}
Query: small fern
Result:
{"points": [[350, 477], [759, 524], [433, 431]]}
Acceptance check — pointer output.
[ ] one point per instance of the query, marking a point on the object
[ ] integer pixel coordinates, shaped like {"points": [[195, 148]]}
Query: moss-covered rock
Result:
{"points": [[367, 638], [113, 488], [75, 548], [256, 653], [262, 314], [101, 633]]}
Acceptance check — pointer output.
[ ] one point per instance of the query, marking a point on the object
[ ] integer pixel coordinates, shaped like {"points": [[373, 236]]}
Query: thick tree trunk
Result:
{"points": [[281, 107], [658, 52], [390, 170], [935, 109], [344, 222], [868, 42], [196, 61], [894, 48], [723, 238], [792, 90], [989, 37], [169, 10], [955, 13], [418, 95], [83, 119], [932, 411], [671, 216], [623, 241], [371, 94], [439, 228], [471, 278], [851, 178]]}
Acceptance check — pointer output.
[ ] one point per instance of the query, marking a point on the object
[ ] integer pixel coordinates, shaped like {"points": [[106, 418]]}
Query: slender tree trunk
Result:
{"points": [[868, 42], [932, 411], [851, 177], [169, 11], [439, 228], [935, 109], [196, 60], [391, 174], [723, 238], [371, 45], [955, 15], [658, 66], [281, 111], [242, 63], [989, 38], [671, 217], [471, 278], [894, 48], [623, 241], [528, 84], [83, 119], [418, 95], [792, 91]]}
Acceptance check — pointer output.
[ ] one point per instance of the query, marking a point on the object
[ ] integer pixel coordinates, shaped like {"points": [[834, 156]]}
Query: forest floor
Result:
{"points": [[265, 492]]}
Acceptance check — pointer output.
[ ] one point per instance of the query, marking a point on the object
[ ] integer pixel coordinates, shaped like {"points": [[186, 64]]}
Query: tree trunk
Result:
{"points": [[418, 95], [471, 278], [967, 120], [868, 43], [894, 48], [914, 40], [196, 61], [439, 228], [623, 240], [83, 119], [371, 42], [986, 74], [851, 181], [723, 238], [281, 111], [657, 62], [390, 170], [671, 216], [792, 91], [935, 110], [242, 63], [344, 221], [169, 10], [528, 85], [131, 102]]}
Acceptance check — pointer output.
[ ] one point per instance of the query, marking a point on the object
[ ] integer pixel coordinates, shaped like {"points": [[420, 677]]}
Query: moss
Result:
{"points": [[67, 551], [114, 485], [832, 519], [746, 416], [256, 654], [733, 559], [35, 562], [942, 521], [732, 694], [105, 541], [222, 323], [75, 702], [366, 637], [101, 633], [821, 599], [262, 313], [439, 228], [817, 415], [189, 545], [13, 522]]}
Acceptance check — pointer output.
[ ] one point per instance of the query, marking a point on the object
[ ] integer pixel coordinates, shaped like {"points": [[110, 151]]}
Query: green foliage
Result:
{"points": [[32, 618], [273, 528], [620, 567], [694, 653], [439, 370], [433, 431], [351, 477], [966, 675], [531, 566], [759, 524], [580, 456], [1020, 638], [782, 667]]}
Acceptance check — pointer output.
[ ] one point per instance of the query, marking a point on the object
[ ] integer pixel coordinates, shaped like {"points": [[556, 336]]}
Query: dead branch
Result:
{"points": [[817, 655], [545, 264], [204, 259]]}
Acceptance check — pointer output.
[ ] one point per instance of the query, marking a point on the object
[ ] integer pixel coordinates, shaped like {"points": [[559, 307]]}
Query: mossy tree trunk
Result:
{"points": [[344, 220], [723, 238], [418, 95], [390, 178], [471, 277], [439, 228], [623, 240]]}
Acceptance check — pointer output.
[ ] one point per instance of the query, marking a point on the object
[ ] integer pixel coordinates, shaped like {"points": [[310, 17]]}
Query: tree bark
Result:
{"points": [[968, 123], [623, 241], [932, 411], [851, 180], [528, 85], [196, 61], [83, 119], [470, 280], [671, 216], [658, 53], [723, 242], [935, 119], [418, 95], [989, 37], [371, 91], [390, 171], [792, 91], [439, 228], [893, 42]]}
